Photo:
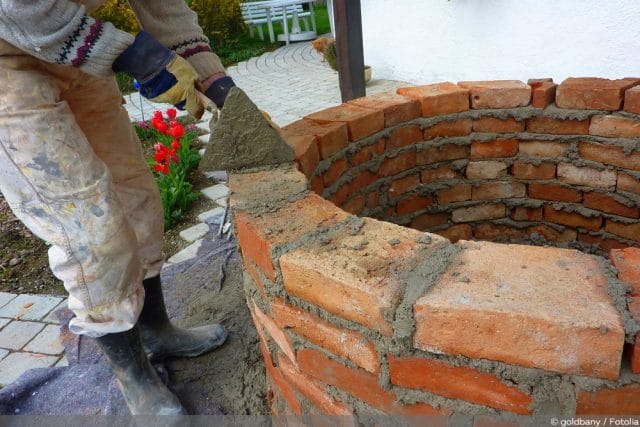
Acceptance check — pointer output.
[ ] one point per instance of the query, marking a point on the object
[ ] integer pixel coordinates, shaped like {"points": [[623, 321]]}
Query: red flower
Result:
{"points": [[175, 144], [162, 167], [160, 124], [176, 130], [171, 112], [157, 115]]}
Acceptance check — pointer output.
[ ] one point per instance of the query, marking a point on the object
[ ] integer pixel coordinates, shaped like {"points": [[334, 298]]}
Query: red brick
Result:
{"points": [[632, 100], [458, 193], [557, 127], [609, 155], [404, 136], [397, 109], [426, 222], [604, 243], [492, 232], [317, 185], [449, 128], [335, 171], [628, 231], [486, 169], [361, 122], [571, 219], [522, 213], [253, 272], [551, 234], [403, 185], [588, 177], [543, 148], [456, 232], [634, 355], [399, 163], [605, 203], [478, 213], [457, 382], [442, 153], [357, 383], [495, 125], [412, 204], [367, 153], [351, 345], [306, 150], [592, 93], [438, 99], [551, 294], [624, 400], [554, 192], [614, 127], [441, 173], [627, 261], [498, 93], [628, 183], [534, 83], [330, 137], [495, 148], [277, 334], [498, 190], [373, 200], [313, 390], [522, 170], [354, 205], [360, 181], [544, 94], [357, 285], [283, 387], [258, 236]]}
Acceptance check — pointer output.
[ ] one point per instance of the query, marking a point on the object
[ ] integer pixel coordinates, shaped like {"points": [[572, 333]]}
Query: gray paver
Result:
{"points": [[5, 297], [17, 333], [3, 353], [29, 307], [3, 322], [216, 192], [47, 341], [187, 253], [194, 233], [15, 364], [62, 362], [51, 317], [213, 216]]}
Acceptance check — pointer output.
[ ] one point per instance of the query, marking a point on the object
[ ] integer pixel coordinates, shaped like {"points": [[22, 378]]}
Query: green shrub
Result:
{"points": [[220, 19], [331, 55], [119, 13]]}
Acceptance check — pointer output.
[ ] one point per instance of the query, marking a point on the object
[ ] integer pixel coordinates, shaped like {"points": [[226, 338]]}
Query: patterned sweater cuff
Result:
{"points": [[104, 50], [200, 56]]}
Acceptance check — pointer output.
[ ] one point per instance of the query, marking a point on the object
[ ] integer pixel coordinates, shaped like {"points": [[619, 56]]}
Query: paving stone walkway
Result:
{"points": [[288, 83]]}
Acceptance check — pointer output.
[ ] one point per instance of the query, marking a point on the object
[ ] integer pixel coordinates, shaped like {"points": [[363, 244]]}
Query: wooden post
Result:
{"points": [[348, 23]]}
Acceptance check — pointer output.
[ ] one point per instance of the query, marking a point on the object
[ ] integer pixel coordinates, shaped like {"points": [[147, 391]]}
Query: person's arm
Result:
{"points": [[173, 24], [59, 31]]}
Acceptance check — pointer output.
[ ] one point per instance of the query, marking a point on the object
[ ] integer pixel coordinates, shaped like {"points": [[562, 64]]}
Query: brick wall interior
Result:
{"points": [[453, 248]]}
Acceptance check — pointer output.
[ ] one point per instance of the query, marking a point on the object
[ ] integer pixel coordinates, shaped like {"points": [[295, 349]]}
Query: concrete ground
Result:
{"points": [[288, 83]]}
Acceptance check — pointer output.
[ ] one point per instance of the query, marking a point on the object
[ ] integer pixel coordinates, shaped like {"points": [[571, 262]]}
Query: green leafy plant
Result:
{"points": [[220, 19], [331, 55], [172, 162]]}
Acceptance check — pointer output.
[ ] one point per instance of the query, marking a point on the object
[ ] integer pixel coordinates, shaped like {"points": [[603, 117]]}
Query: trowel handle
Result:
{"points": [[208, 104]]}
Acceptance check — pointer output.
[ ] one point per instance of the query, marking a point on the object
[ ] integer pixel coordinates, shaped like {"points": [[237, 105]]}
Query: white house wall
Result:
{"points": [[422, 41]]}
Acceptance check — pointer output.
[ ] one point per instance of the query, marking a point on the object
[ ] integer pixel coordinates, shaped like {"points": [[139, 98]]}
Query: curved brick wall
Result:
{"points": [[355, 313]]}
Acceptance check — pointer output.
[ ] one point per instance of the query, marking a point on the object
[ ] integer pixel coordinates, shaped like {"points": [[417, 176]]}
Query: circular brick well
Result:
{"points": [[463, 248]]}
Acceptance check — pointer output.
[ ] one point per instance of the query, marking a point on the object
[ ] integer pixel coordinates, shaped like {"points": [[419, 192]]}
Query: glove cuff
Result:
{"points": [[219, 89], [144, 59]]}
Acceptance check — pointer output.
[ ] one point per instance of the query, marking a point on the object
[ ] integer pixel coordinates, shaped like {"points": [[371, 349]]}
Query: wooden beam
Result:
{"points": [[348, 24]]}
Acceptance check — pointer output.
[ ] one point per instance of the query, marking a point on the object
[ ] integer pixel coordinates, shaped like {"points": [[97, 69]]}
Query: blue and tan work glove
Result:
{"points": [[163, 75]]}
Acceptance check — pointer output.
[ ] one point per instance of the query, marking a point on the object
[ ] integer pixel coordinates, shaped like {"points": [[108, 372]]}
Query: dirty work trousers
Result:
{"points": [[72, 170]]}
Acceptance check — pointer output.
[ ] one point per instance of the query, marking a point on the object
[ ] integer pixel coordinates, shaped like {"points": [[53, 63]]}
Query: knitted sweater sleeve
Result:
{"points": [[59, 31], [174, 25]]}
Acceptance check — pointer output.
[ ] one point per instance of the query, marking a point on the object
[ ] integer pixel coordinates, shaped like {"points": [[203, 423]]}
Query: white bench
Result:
{"points": [[258, 13]]}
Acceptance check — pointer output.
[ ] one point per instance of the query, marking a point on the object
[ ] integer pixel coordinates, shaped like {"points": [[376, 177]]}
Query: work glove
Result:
{"points": [[163, 76], [219, 89]]}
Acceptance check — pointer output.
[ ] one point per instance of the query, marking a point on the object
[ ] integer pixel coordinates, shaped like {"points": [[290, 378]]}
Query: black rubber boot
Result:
{"points": [[161, 339], [141, 387]]}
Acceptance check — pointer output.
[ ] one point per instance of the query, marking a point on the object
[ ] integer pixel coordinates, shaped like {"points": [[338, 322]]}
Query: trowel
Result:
{"points": [[242, 136]]}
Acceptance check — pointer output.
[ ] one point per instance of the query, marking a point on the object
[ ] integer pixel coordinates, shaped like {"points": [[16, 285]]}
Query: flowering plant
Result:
{"points": [[173, 160]]}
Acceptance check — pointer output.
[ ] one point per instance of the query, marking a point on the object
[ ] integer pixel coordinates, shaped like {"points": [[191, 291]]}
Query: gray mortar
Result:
{"points": [[618, 292], [243, 138]]}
